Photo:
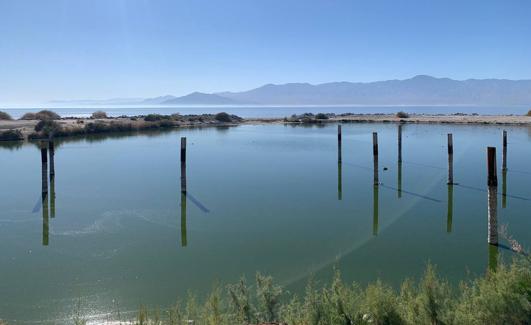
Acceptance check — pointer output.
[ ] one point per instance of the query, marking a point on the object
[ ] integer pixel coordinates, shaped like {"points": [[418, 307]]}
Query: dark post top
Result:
{"points": [[450, 144], [339, 132], [375, 143], [491, 167], [183, 149]]}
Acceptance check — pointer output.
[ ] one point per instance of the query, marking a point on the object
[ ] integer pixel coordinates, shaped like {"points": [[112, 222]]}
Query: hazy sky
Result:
{"points": [[70, 49]]}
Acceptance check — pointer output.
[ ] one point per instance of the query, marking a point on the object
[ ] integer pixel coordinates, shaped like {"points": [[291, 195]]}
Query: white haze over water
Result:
{"points": [[272, 111]]}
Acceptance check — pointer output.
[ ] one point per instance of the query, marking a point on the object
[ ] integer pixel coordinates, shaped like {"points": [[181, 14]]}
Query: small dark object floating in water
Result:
{"points": [[385, 168]]}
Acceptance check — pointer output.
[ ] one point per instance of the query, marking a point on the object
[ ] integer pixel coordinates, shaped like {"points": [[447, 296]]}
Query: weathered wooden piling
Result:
{"points": [[51, 148], [450, 159], [399, 170], [44, 170], [504, 151], [339, 149], [375, 206], [399, 143], [183, 164], [491, 167], [450, 208], [492, 197], [183, 219], [375, 156]]}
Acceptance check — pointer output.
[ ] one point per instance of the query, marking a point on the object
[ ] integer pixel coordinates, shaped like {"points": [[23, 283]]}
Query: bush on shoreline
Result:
{"points": [[223, 117], [11, 135], [42, 115], [499, 297], [402, 115], [5, 116], [99, 114]]}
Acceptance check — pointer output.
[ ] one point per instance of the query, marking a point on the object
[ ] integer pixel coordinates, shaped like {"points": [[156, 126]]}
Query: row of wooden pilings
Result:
{"points": [[492, 183]]}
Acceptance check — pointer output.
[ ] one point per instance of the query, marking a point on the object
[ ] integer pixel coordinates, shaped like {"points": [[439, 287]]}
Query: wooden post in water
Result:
{"points": [[183, 165], [51, 147], [504, 151], [400, 143], [492, 196], [450, 159], [339, 143], [44, 170], [399, 160], [339, 162], [375, 156], [183, 192]]}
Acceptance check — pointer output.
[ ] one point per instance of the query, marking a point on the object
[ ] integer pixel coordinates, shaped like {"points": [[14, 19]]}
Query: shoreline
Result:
{"points": [[83, 126]]}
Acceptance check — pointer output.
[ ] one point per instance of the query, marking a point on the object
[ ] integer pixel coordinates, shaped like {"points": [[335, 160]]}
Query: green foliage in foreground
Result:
{"points": [[501, 297]]}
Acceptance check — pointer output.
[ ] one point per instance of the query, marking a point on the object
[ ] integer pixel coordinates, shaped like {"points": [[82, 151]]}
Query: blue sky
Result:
{"points": [[74, 49]]}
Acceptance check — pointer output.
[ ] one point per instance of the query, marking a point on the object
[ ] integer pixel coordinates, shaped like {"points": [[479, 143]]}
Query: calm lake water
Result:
{"points": [[260, 198], [276, 111]]}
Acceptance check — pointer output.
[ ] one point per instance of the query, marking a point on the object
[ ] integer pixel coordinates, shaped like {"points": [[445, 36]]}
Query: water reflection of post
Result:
{"points": [[504, 189], [375, 210], [183, 192], [399, 160], [51, 147], [492, 237], [339, 161], [183, 219], [450, 208], [44, 193]]}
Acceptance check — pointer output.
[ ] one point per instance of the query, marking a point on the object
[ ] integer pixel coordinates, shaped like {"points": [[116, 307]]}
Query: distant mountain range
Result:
{"points": [[419, 90]]}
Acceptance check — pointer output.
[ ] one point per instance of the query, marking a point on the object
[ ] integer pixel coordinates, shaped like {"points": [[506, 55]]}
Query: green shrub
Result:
{"points": [[402, 115], [223, 117], [47, 115], [5, 116], [48, 127], [99, 114], [321, 116], [11, 135], [156, 117]]}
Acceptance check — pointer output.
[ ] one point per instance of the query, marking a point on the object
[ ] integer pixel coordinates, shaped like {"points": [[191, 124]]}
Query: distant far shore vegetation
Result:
{"points": [[47, 124]]}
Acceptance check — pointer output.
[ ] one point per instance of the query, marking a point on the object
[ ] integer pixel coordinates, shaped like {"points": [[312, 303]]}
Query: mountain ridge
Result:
{"points": [[418, 90]]}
